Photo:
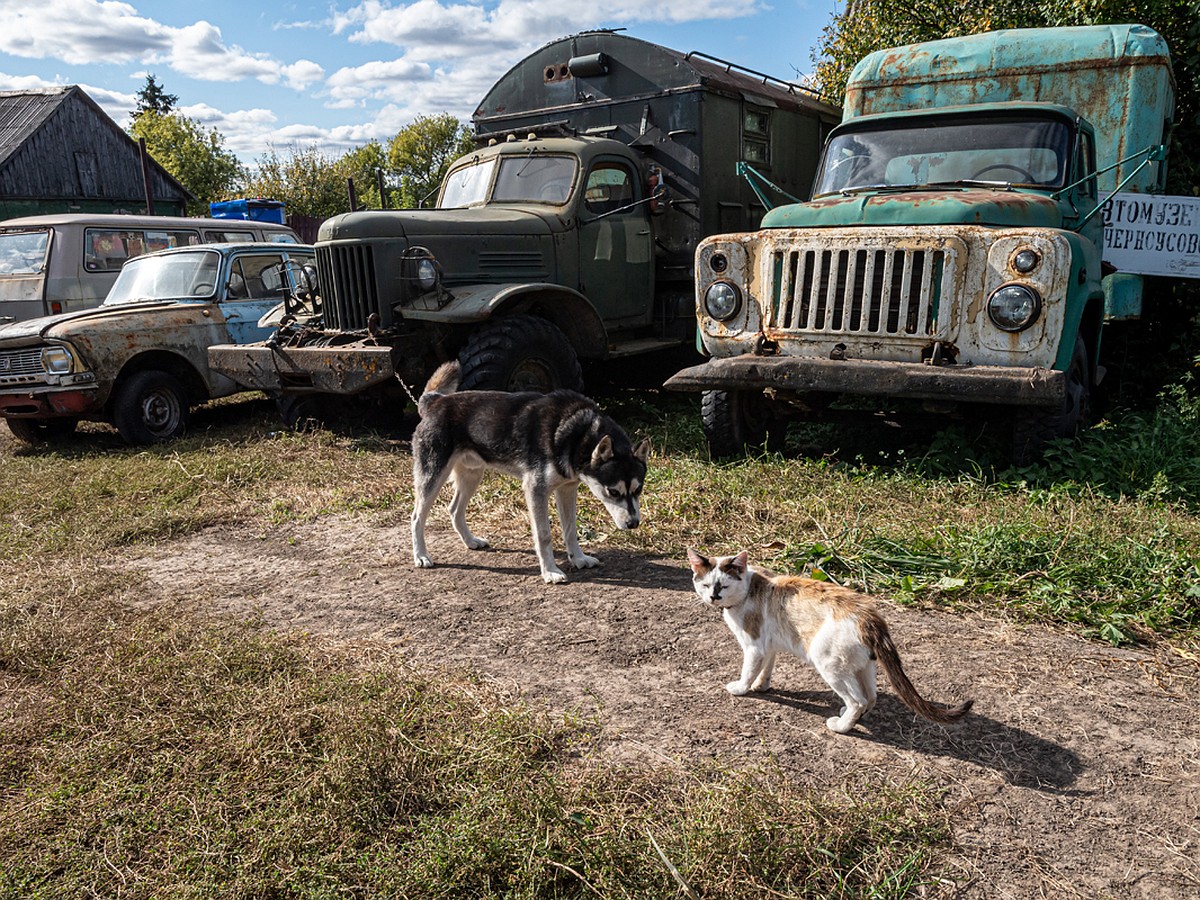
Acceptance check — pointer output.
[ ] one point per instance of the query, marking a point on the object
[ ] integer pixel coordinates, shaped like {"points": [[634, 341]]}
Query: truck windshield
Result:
{"points": [[467, 185], [172, 276], [1009, 151], [535, 179], [23, 252]]}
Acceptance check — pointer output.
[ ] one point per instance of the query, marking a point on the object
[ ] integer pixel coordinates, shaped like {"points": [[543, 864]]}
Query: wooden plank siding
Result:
{"points": [[60, 152]]}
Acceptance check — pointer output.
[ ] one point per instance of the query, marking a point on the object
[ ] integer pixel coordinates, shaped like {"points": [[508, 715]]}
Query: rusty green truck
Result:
{"points": [[952, 250], [568, 235]]}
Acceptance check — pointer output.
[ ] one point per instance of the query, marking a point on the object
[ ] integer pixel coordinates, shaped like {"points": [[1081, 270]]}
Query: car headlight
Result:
{"points": [[722, 301], [57, 360], [1014, 307], [427, 273]]}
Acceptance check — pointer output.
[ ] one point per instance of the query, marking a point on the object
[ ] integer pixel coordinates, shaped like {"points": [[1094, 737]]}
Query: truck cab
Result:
{"points": [[951, 251]]}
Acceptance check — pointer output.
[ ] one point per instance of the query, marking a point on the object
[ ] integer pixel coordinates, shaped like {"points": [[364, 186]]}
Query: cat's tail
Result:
{"points": [[875, 635], [444, 380]]}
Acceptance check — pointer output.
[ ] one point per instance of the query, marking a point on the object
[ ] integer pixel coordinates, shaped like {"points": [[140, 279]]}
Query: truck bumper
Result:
{"points": [[331, 370], [974, 384]]}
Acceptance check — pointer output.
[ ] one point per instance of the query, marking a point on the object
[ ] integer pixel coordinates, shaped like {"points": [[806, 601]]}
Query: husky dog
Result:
{"points": [[551, 442]]}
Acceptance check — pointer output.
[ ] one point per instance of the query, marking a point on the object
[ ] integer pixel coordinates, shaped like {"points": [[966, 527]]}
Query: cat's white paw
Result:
{"points": [[554, 576], [761, 685], [421, 561], [476, 543], [835, 723], [583, 561], [737, 688]]}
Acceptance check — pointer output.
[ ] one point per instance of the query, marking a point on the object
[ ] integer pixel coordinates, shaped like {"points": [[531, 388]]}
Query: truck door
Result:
{"points": [[616, 246]]}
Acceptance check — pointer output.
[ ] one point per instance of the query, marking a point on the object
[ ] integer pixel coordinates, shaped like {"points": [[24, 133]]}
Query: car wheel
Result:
{"points": [[1032, 429], [737, 421], [150, 407], [519, 353], [40, 431]]}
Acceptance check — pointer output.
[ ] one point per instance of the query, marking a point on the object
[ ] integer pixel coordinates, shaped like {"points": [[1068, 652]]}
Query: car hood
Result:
{"points": [[30, 329], [970, 206]]}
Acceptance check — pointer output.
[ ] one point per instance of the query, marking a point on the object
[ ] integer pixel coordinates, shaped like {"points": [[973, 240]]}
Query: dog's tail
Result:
{"points": [[875, 635], [444, 380]]}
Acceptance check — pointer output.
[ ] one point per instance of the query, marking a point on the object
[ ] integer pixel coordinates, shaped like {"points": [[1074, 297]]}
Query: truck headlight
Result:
{"points": [[1025, 260], [57, 360], [427, 273], [722, 301], [1014, 307]]}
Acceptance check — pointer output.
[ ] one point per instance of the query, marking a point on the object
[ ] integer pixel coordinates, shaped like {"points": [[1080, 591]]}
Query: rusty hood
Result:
{"points": [[34, 329], [914, 208]]}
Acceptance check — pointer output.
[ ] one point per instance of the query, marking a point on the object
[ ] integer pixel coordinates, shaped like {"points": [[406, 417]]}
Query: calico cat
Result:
{"points": [[839, 631]]}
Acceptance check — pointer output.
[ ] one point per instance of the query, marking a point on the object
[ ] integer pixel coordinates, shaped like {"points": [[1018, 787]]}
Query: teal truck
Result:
{"points": [[952, 250], [568, 235]]}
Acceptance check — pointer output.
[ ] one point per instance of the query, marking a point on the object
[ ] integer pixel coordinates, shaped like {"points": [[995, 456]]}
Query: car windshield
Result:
{"points": [[23, 252], [1002, 151], [171, 276]]}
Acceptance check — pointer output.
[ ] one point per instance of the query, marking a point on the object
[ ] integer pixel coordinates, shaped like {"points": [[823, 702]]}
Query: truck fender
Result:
{"points": [[568, 309]]}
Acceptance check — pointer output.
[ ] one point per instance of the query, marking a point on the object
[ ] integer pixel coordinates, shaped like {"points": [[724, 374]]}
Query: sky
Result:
{"points": [[338, 74]]}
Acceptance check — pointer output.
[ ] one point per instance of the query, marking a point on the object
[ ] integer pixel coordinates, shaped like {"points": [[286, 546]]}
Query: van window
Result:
{"points": [[23, 252], [106, 250], [229, 237]]}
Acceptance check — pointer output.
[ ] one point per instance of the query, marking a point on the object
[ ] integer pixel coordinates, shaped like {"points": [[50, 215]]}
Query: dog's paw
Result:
{"points": [[583, 561], [737, 688], [476, 543], [421, 561], [554, 576]]}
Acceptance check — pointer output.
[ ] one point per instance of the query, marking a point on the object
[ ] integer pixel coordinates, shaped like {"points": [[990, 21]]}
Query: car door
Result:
{"points": [[257, 282], [616, 249]]}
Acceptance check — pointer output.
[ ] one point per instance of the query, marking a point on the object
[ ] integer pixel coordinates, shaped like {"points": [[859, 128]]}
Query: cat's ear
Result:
{"points": [[699, 563], [642, 450], [741, 561], [603, 451]]}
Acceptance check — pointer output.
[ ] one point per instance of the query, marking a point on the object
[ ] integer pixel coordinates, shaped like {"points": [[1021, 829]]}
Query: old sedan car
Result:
{"points": [[140, 360]]}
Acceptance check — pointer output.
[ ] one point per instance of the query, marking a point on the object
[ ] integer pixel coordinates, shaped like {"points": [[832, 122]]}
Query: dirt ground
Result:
{"points": [[1076, 775]]}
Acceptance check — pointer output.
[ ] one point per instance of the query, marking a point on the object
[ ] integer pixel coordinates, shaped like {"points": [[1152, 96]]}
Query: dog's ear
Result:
{"points": [[642, 450], [603, 452]]}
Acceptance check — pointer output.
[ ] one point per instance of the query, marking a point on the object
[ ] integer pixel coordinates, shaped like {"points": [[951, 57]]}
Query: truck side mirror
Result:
{"points": [[656, 188]]}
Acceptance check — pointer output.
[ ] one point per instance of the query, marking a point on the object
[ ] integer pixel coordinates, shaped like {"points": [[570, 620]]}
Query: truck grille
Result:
{"points": [[513, 264], [348, 289], [881, 290], [21, 366]]}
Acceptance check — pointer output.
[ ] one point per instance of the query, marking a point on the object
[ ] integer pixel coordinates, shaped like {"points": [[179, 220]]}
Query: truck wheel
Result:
{"points": [[735, 421], [38, 431], [1033, 429], [519, 353], [300, 412], [150, 407]]}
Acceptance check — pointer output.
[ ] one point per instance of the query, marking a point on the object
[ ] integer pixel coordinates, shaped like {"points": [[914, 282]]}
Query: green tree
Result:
{"points": [[868, 25], [197, 158], [308, 181], [420, 153], [152, 98]]}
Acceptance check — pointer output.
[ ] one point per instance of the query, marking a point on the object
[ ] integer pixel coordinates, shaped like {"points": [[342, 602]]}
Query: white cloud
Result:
{"points": [[105, 31]]}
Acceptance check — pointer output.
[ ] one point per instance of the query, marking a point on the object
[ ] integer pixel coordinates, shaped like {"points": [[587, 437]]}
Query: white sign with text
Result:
{"points": [[1149, 234]]}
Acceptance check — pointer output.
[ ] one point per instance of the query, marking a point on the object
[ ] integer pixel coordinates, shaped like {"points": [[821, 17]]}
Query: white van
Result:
{"points": [[62, 263]]}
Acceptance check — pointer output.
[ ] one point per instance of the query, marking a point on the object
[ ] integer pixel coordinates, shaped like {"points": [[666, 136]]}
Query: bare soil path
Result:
{"points": [[1076, 775]]}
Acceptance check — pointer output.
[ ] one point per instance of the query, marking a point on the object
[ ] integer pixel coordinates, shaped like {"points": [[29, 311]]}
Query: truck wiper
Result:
{"points": [[971, 182]]}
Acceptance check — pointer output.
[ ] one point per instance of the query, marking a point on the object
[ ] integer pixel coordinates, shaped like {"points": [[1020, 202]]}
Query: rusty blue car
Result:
{"points": [[140, 360]]}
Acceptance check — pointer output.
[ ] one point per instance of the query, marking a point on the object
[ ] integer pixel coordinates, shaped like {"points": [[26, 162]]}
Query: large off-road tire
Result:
{"points": [[150, 407], [739, 421], [42, 431], [1034, 428], [301, 412], [519, 353]]}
